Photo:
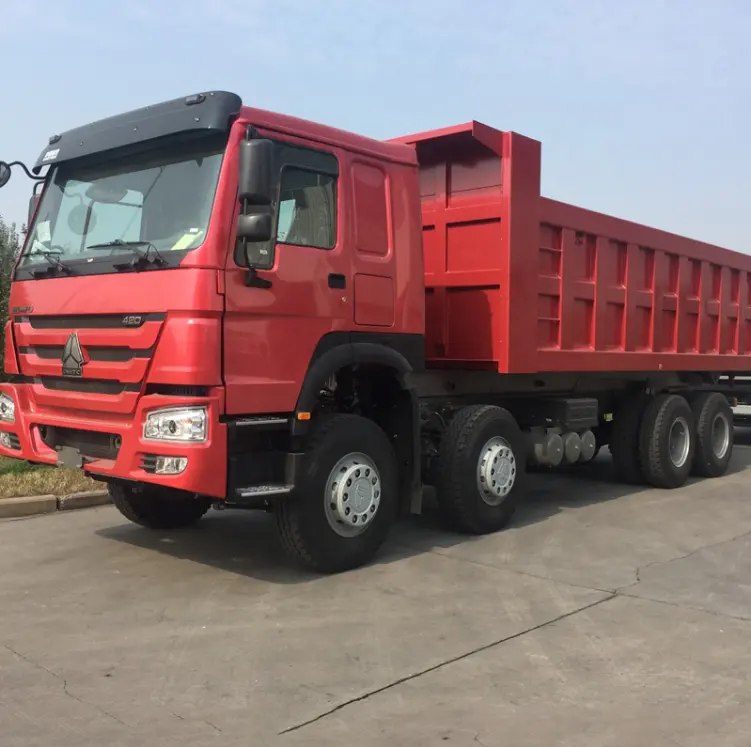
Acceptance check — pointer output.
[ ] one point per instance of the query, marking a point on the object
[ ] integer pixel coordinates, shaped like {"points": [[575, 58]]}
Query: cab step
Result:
{"points": [[262, 491], [256, 496]]}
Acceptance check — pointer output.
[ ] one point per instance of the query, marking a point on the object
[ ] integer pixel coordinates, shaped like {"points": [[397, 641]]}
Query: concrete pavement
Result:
{"points": [[604, 616]]}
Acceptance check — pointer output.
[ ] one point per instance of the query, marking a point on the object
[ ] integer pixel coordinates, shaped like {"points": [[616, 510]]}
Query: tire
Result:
{"points": [[714, 427], [475, 435], [624, 439], [660, 446], [311, 519], [156, 507]]}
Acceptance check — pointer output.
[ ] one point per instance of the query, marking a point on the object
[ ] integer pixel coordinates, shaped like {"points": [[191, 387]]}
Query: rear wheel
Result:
{"points": [[667, 441], [346, 498], [714, 434], [624, 439], [481, 469], [157, 507]]}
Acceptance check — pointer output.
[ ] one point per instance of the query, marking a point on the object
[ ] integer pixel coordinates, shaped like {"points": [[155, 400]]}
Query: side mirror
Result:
{"points": [[254, 227], [4, 173], [254, 180]]}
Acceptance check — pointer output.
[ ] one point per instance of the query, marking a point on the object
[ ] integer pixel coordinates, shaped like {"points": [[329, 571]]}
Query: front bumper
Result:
{"points": [[206, 471]]}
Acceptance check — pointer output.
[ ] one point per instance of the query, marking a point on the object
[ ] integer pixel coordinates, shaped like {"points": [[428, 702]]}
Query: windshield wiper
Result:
{"points": [[143, 248], [50, 256]]}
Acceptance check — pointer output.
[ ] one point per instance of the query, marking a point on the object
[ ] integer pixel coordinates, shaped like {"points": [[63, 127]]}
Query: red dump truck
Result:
{"points": [[218, 305]]}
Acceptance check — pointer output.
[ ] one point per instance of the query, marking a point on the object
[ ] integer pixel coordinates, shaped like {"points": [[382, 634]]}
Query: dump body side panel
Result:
{"points": [[461, 190], [518, 283], [615, 295]]}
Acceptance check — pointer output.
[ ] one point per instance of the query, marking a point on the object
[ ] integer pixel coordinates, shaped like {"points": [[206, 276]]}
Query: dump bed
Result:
{"points": [[519, 283]]}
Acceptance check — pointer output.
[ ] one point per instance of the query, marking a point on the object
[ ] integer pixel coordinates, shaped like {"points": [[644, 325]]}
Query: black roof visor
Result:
{"points": [[212, 111]]}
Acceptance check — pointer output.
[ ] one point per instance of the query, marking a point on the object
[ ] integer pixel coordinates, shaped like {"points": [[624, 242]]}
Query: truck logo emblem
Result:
{"points": [[73, 357]]}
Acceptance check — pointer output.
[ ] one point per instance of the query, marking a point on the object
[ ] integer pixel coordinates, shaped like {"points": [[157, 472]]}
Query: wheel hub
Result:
{"points": [[353, 494], [679, 442], [496, 471], [720, 435]]}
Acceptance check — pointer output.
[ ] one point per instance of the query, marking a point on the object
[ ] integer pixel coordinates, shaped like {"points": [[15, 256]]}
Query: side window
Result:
{"points": [[307, 208]]}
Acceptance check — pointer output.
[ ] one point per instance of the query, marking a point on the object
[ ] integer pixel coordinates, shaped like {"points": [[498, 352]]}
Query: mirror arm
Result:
{"points": [[254, 280], [26, 171]]}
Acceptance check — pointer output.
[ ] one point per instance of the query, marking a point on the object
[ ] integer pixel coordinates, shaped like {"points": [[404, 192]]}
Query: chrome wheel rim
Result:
{"points": [[720, 435], [353, 494], [496, 471], [679, 442]]}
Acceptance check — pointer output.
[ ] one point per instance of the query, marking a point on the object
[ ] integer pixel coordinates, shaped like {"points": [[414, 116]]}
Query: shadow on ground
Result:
{"points": [[247, 543]]}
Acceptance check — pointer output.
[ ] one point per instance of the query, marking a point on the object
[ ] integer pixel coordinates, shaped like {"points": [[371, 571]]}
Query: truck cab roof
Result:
{"points": [[202, 112]]}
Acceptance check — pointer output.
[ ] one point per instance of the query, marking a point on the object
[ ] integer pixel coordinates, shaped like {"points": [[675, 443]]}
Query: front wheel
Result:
{"points": [[346, 498], [156, 507], [481, 469]]}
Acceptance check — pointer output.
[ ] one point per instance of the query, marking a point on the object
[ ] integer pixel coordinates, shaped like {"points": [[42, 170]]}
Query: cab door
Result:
{"points": [[270, 334]]}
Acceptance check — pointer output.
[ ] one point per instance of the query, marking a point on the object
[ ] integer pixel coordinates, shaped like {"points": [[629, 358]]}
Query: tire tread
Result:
{"points": [[158, 512], [624, 439], [652, 446], [288, 520], [292, 515], [458, 512], [705, 464]]}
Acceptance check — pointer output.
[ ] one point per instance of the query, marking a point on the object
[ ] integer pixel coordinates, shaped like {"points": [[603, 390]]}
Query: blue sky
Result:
{"points": [[643, 106]]}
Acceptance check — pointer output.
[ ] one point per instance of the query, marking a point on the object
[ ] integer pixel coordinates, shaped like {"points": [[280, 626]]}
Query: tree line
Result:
{"points": [[10, 245]]}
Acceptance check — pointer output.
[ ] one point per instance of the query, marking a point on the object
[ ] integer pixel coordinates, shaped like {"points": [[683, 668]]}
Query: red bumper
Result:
{"points": [[206, 471]]}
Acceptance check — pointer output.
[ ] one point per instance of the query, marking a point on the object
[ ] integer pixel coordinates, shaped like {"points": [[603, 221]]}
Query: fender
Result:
{"points": [[403, 353]]}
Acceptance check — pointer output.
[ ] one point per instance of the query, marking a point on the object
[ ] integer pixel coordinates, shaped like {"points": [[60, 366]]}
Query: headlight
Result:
{"points": [[183, 424], [7, 408]]}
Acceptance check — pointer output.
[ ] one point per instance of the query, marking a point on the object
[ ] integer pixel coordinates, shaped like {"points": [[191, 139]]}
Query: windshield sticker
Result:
{"points": [[43, 232], [51, 155], [185, 241]]}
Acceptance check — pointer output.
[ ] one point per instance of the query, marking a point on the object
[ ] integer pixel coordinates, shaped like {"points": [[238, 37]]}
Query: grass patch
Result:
{"points": [[17, 478]]}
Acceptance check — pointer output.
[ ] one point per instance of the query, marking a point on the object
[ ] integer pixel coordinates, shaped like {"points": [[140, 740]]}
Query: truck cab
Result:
{"points": [[198, 280]]}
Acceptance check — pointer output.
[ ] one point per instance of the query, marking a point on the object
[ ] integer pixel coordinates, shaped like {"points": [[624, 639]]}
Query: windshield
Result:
{"points": [[93, 213]]}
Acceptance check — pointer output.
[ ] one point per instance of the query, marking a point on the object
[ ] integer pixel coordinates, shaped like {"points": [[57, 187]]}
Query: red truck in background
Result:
{"points": [[218, 305]]}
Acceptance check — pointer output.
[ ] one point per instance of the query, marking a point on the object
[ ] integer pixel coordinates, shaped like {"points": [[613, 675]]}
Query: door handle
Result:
{"points": [[337, 280]]}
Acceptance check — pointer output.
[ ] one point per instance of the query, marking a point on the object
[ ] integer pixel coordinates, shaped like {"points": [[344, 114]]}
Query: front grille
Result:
{"points": [[114, 353], [98, 321], [115, 348], [15, 442], [176, 390], [93, 386], [94, 353], [94, 444]]}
